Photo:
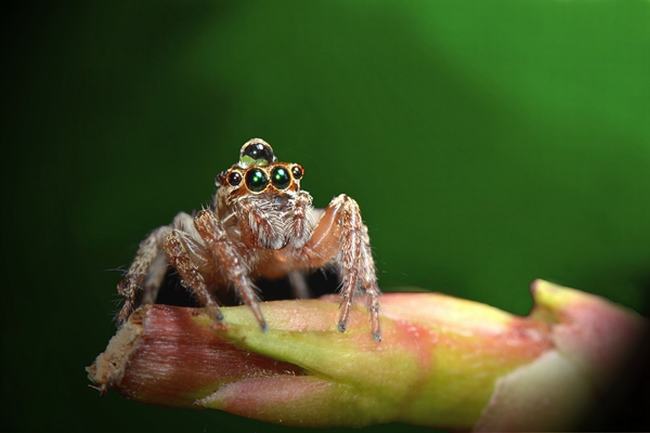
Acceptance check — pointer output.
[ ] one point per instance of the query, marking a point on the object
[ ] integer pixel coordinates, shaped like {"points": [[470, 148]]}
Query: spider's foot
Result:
{"points": [[124, 314], [257, 312], [215, 311]]}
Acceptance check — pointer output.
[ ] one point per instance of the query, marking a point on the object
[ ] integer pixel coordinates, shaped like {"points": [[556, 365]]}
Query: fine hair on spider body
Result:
{"points": [[262, 225]]}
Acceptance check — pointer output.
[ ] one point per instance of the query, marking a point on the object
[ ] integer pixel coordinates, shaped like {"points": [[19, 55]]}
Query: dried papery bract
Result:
{"points": [[444, 362]]}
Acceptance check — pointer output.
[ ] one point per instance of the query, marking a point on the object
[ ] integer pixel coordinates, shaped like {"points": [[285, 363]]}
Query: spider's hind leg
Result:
{"points": [[148, 269], [145, 274]]}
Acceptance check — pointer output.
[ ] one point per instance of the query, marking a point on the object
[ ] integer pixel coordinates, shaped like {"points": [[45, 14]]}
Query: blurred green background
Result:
{"points": [[487, 143]]}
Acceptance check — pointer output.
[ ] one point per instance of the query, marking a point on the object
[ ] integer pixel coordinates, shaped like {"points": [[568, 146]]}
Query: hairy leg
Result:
{"points": [[149, 266], [227, 259], [342, 238], [182, 260], [369, 283], [158, 267], [146, 258], [154, 279]]}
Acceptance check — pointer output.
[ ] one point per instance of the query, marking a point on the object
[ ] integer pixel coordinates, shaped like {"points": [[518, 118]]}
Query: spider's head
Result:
{"points": [[264, 196], [258, 174]]}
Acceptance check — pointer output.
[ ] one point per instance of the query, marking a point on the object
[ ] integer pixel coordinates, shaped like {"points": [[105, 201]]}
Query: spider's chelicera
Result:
{"points": [[261, 224]]}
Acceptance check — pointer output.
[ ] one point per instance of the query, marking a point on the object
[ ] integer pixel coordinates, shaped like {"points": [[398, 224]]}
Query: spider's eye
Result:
{"points": [[256, 152], [297, 171], [256, 180], [280, 177], [234, 178]]}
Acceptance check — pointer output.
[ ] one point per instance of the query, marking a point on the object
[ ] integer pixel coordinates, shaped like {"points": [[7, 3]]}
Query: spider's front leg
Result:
{"points": [[342, 238], [184, 260], [227, 260]]}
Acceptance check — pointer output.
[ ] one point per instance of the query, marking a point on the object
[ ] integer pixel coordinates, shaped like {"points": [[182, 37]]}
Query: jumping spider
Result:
{"points": [[261, 224]]}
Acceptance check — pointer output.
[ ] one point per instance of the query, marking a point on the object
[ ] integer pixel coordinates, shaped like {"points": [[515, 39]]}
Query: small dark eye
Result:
{"points": [[297, 171], [257, 153], [280, 177], [234, 178], [256, 180]]}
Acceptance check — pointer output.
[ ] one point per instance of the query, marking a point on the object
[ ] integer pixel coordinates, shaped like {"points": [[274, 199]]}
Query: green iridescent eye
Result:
{"points": [[256, 180], [280, 177]]}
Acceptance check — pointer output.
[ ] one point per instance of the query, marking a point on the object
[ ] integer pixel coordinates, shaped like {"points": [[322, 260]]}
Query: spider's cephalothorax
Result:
{"points": [[261, 225], [265, 197]]}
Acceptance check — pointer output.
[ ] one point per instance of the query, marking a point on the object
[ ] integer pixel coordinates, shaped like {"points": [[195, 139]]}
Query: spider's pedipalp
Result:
{"points": [[300, 224]]}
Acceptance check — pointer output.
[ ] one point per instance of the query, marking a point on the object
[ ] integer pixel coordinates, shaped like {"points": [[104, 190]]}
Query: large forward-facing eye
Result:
{"points": [[280, 177], [256, 152], [256, 180]]}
